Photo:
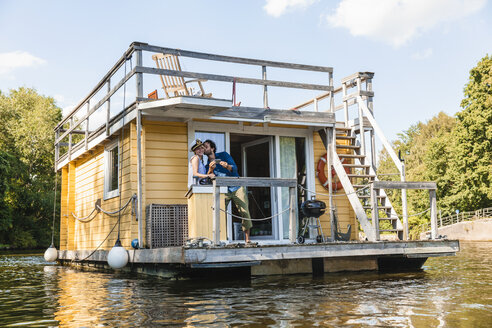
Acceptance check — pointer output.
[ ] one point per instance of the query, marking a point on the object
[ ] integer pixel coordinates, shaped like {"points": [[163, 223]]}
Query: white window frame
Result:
{"points": [[265, 131], [107, 166]]}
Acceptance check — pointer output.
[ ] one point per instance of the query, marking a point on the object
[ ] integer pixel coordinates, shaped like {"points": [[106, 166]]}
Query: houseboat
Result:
{"points": [[305, 152]]}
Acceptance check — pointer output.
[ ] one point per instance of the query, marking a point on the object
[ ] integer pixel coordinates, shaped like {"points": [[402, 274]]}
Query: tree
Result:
{"points": [[470, 170], [26, 162], [456, 153]]}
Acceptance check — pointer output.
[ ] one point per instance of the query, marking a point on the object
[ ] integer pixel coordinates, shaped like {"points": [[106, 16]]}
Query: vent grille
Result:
{"points": [[167, 225]]}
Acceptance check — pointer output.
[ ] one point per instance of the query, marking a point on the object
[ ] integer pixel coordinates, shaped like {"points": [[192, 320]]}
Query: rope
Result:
{"points": [[263, 219], [97, 207], [85, 218], [117, 211], [339, 195], [74, 260]]}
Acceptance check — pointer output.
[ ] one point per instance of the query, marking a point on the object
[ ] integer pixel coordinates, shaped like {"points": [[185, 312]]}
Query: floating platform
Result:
{"points": [[259, 260]]}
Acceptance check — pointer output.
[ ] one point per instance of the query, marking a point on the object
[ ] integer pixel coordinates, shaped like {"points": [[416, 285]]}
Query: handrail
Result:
{"points": [[100, 84], [231, 59], [380, 134]]}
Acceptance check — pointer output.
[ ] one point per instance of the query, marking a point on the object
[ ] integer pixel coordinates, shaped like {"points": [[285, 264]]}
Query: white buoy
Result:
{"points": [[117, 256], [51, 254]]}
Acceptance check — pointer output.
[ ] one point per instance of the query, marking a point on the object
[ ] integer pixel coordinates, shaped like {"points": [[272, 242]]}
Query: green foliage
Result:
{"points": [[456, 153], [471, 166], [26, 168]]}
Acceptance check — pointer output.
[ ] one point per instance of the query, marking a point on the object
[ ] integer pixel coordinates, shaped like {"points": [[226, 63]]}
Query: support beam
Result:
{"points": [[139, 173]]}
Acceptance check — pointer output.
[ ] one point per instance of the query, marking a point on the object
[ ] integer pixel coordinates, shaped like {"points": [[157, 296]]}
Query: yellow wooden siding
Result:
{"points": [[82, 186], [166, 162], [346, 214]]}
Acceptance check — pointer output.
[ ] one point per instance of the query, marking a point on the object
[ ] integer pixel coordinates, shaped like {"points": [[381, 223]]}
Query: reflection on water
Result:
{"points": [[450, 292]]}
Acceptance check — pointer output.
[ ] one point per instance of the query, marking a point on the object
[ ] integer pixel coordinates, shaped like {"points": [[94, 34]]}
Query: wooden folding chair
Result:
{"points": [[175, 86]]}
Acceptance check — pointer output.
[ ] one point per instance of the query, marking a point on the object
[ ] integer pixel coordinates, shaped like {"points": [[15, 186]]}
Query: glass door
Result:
{"points": [[258, 161]]}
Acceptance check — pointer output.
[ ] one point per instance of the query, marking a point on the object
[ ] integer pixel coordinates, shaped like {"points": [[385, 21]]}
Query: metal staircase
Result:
{"points": [[360, 174]]}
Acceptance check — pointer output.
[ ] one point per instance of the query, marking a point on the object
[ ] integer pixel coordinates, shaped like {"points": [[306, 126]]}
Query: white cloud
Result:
{"points": [[16, 59], [422, 54], [276, 8], [398, 21]]}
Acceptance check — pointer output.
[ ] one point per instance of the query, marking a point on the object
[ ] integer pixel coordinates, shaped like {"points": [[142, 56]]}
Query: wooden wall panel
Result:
{"points": [[346, 214]]}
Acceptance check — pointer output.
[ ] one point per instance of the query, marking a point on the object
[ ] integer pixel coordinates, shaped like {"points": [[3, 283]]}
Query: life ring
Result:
{"points": [[320, 173]]}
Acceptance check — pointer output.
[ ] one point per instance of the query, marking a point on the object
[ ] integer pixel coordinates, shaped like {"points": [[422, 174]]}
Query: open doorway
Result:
{"points": [[254, 156]]}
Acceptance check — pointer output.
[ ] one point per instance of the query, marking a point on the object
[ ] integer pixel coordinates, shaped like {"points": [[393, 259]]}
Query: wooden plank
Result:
{"points": [[226, 78], [277, 115], [404, 185], [255, 182], [231, 59]]}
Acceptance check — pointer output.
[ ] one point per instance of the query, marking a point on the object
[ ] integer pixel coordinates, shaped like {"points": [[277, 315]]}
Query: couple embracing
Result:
{"points": [[221, 164]]}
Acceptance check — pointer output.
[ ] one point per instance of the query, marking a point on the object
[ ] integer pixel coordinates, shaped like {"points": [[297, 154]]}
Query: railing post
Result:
{"points": [[216, 214], [87, 126], [292, 215], [370, 105], [440, 217], [329, 162], [70, 140], [361, 120], [433, 213], [404, 203], [265, 89], [139, 76], [332, 100], [375, 213], [345, 104], [108, 108]]}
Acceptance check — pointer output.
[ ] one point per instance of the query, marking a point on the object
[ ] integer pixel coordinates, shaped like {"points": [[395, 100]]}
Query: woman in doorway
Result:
{"points": [[196, 167]]}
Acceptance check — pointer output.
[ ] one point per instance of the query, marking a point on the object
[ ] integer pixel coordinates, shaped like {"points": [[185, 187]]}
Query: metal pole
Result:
{"points": [[139, 171], [329, 163], [404, 204], [433, 213]]}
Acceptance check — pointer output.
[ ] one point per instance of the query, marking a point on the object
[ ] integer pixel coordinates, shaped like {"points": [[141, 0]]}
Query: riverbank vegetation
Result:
{"points": [[26, 168], [455, 152]]}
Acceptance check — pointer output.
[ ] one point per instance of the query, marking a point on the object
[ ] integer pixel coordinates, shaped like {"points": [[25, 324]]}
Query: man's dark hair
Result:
{"points": [[212, 144]]}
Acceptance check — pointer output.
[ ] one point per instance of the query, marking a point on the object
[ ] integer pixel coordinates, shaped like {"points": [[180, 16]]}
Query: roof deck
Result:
{"points": [[122, 92]]}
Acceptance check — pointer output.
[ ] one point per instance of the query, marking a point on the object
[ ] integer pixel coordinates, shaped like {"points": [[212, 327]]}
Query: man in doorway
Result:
{"points": [[223, 164]]}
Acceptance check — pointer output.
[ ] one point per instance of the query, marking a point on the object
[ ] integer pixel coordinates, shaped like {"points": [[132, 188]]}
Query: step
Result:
{"points": [[387, 219], [351, 156], [357, 166], [368, 197], [391, 230], [347, 147], [361, 176], [381, 207], [342, 128], [345, 137], [359, 186]]}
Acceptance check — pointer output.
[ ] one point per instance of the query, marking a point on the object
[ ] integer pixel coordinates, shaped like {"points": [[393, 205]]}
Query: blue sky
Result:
{"points": [[420, 50]]}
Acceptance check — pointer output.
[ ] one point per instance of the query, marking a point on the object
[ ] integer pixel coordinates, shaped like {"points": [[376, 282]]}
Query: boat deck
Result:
{"points": [[284, 259]]}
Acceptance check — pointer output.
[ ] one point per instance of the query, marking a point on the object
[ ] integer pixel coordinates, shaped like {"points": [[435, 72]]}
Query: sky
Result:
{"points": [[421, 51]]}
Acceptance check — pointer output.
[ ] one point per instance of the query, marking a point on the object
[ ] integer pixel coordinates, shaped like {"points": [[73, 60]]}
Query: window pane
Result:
{"points": [[113, 169]]}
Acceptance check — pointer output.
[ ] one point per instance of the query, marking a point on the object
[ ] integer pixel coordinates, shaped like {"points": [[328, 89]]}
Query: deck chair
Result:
{"points": [[175, 86]]}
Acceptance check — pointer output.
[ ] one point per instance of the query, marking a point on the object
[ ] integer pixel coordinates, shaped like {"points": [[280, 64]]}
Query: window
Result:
{"points": [[111, 170]]}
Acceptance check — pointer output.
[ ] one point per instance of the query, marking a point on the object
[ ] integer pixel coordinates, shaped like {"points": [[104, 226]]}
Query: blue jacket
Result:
{"points": [[222, 171]]}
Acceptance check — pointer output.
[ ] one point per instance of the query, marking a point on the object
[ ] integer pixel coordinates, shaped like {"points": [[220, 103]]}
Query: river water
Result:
{"points": [[449, 292]]}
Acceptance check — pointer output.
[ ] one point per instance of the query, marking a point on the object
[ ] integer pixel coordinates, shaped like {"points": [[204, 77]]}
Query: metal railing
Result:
{"points": [[95, 115], [483, 213]]}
